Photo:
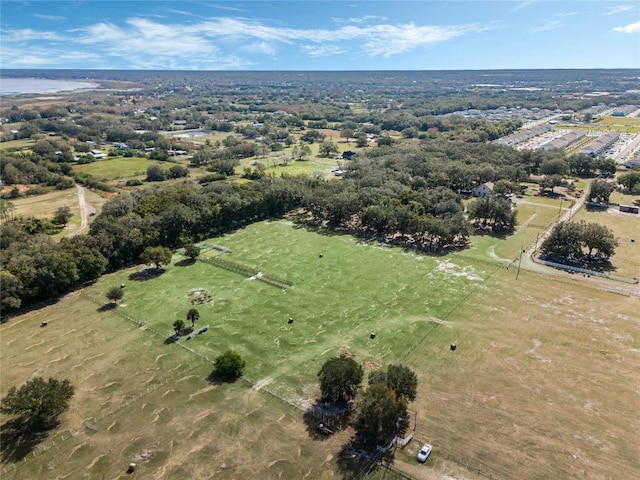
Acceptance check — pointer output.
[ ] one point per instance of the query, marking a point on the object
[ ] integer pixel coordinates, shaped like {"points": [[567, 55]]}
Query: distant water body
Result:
{"points": [[31, 86]]}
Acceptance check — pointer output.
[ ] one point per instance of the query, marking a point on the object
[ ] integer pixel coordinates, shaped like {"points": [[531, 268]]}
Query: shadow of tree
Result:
{"points": [[145, 274], [17, 440], [217, 379], [107, 306], [353, 459], [326, 415], [185, 262]]}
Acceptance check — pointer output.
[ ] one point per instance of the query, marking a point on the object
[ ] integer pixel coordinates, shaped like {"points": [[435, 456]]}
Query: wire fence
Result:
{"points": [[473, 466], [246, 271], [40, 449], [585, 271]]}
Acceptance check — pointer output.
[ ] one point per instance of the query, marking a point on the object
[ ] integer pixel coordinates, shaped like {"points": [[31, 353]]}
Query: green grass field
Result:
{"points": [[112, 168], [17, 144], [541, 385]]}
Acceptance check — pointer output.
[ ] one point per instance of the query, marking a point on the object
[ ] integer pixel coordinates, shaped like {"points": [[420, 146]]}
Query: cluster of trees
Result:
{"points": [[579, 242], [405, 194], [37, 268], [494, 213], [600, 191], [382, 406], [630, 181]]}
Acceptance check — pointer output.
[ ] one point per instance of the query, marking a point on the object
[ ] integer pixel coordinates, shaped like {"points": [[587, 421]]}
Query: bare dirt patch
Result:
{"points": [[144, 456], [371, 365]]}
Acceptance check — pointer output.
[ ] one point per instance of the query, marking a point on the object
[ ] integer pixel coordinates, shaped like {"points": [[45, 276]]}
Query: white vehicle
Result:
{"points": [[424, 453]]}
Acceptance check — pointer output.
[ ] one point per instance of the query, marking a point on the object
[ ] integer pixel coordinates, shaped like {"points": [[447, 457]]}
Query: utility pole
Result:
{"points": [[559, 211], [519, 262]]}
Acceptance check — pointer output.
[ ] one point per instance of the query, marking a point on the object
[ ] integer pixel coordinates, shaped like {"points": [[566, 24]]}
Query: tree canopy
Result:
{"points": [[229, 365], [193, 315], [402, 380], [381, 414], [114, 294], [38, 402], [178, 325], [157, 255], [631, 181], [340, 377], [600, 191], [579, 242]]}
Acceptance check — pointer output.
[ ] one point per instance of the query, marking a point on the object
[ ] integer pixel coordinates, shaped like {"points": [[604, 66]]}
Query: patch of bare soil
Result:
{"points": [[144, 456], [371, 365]]}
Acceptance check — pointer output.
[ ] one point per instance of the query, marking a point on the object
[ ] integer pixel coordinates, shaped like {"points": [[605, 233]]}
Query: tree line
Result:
{"points": [[400, 194]]}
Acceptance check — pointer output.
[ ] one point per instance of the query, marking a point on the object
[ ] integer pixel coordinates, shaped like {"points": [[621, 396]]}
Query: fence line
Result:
{"points": [[246, 271], [40, 450], [570, 268], [129, 399], [473, 466]]}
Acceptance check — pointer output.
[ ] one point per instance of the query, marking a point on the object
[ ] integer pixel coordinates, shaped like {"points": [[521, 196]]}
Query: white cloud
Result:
{"points": [[225, 7], [150, 43], [522, 5], [546, 26], [618, 9], [55, 18], [631, 28], [325, 50], [28, 35], [359, 20], [260, 47]]}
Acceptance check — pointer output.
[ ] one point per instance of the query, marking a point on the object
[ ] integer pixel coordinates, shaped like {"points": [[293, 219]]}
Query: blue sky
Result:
{"points": [[319, 35]]}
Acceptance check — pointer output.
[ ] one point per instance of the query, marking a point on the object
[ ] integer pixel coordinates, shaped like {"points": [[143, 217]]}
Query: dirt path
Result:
{"points": [[84, 216]]}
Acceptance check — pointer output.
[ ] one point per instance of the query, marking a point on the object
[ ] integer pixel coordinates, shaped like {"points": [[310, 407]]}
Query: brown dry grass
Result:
{"points": [[543, 383]]}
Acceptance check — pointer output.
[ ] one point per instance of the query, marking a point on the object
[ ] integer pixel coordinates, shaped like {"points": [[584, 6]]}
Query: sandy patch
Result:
{"points": [[76, 448], [52, 348], [454, 270], [200, 391], [95, 460], [262, 383], [34, 345]]}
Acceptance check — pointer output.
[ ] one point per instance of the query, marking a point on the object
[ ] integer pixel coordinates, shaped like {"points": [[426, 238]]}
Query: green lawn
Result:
{"points": [[336, 302], [17, 144], [112, 168]]}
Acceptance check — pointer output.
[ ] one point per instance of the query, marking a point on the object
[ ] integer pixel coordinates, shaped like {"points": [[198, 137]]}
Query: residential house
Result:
{"points": [[484, 190]]}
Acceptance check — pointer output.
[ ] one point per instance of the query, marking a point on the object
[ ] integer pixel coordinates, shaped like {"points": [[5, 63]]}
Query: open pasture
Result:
{"points": [[145, 402], [626, 228], [14, 145], [619, 121], [45, 206], [336, 302], [534, 215], [112, 168], [542, 384]]}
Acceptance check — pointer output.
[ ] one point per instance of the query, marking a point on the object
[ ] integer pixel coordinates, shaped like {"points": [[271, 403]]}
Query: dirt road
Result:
{"points": [[84, 214]]}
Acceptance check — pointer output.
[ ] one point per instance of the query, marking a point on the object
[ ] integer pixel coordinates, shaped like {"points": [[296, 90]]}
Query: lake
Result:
{"points": [[30, 86]]}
